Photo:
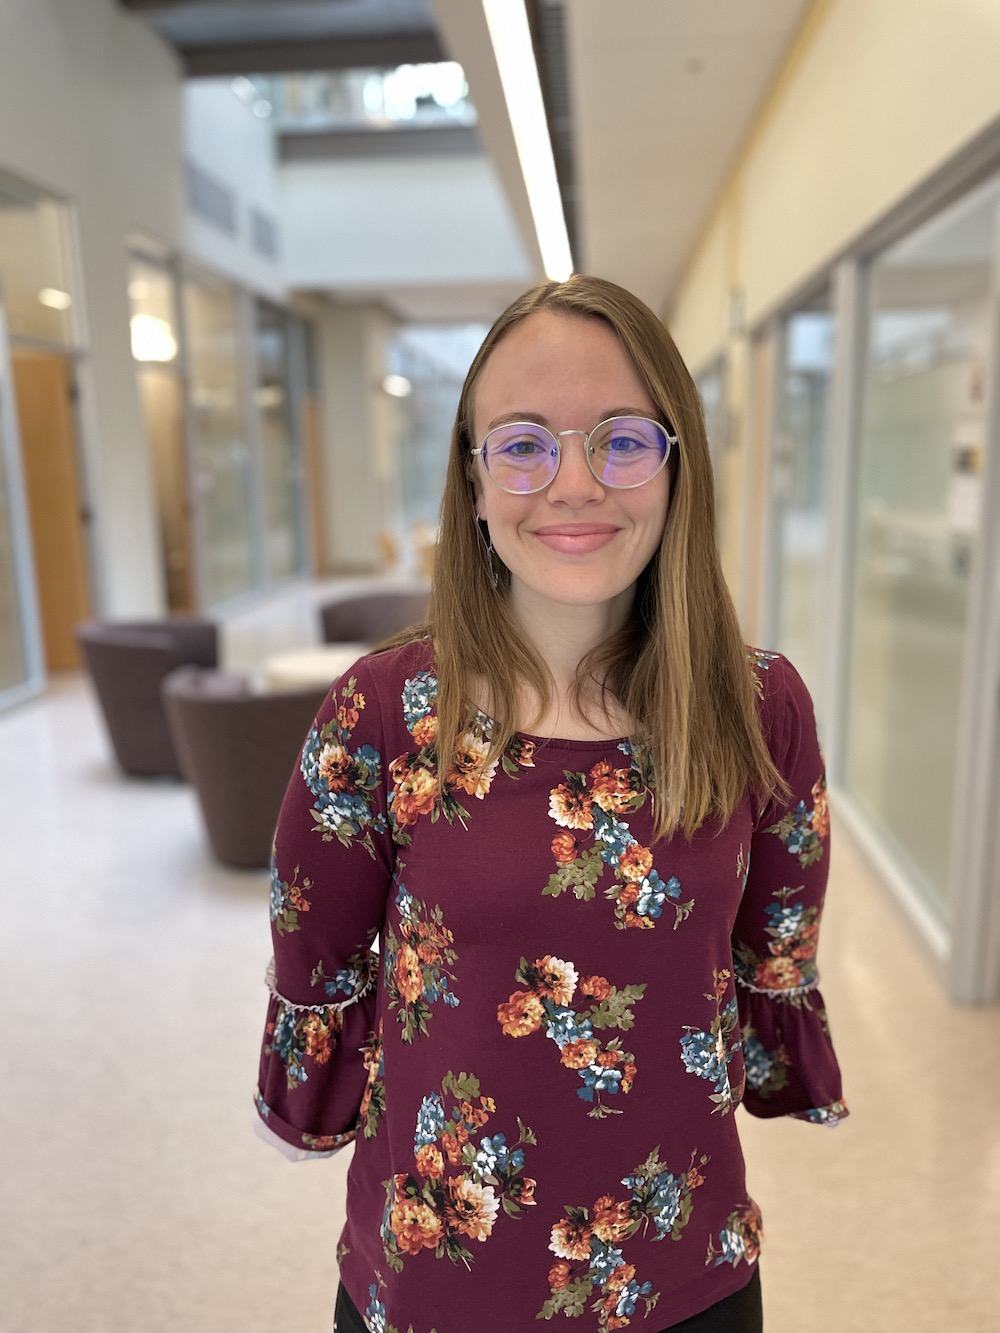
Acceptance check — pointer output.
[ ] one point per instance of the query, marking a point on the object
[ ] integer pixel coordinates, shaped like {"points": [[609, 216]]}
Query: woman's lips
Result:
{"points": [[576, 539]]}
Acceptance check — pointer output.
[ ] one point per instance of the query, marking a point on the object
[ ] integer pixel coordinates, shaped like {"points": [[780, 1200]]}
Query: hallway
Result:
{"points": [[139, 1200]]}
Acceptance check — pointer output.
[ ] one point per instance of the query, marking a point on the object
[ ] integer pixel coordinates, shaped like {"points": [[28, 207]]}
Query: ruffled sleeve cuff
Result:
{"points": [[791, 1068], [313, 1070]]}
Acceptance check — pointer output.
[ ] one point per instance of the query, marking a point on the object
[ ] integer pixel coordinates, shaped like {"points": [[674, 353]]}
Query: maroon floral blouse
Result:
{"points": [[534, 1019]]}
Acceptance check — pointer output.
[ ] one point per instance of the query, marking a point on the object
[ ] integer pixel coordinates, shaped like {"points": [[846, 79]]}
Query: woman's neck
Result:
{"points": [[562, 636]]}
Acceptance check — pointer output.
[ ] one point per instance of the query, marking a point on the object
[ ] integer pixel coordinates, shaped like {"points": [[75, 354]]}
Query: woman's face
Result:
{"points": [[577, 542]]}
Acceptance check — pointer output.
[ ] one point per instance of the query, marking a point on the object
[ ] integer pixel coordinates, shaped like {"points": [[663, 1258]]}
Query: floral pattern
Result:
{"points": [[288, 900], [373, 1099], [708, 1054], [459, 1183], [343, 781], [298, 1036], [767, 1071], [417, 964], [590, 809], [375, 1316], [546, 1004], [415, 790], [739, 1240], [788, 968], [803, 830], [589, 1243]]}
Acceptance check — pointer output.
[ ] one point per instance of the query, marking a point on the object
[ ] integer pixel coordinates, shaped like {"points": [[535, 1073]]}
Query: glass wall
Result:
{"points": [[796, 532], [34, 264], [155, 346], [428, 365], [922, 448], [222, 457], [14, 669], [281, 468]]}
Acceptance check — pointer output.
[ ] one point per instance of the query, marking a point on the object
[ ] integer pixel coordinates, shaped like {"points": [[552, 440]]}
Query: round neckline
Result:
{"points": [[566, 743]]}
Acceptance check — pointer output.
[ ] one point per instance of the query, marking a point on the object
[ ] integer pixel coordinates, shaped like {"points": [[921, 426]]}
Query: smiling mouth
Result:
{"points": [[576, 538]]}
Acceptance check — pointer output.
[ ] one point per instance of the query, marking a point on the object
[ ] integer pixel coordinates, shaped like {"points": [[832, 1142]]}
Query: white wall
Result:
{"points": [[224, 138], [90, 110], [875, 96], [355, 224]]}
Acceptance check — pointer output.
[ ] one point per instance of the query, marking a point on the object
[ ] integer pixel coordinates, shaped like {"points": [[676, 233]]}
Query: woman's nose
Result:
{"points": [[574, 483]]}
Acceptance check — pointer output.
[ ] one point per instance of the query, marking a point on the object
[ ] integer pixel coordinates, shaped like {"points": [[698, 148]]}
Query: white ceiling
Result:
{"points": [[663, 94]]}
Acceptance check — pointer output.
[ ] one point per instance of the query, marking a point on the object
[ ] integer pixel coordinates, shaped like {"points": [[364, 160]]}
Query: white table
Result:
{"points": [[320, 664]]}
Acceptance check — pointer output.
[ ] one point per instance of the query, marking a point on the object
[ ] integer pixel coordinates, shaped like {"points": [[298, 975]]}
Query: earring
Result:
{"points": [[487, 544]]}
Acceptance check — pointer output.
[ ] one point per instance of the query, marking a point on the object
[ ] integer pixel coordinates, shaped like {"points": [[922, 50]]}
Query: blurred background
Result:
{"points": [[247, 251]]}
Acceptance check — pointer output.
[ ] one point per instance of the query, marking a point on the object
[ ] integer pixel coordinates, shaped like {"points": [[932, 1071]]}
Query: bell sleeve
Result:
{"points": [[791, 1067], [332, 865]]}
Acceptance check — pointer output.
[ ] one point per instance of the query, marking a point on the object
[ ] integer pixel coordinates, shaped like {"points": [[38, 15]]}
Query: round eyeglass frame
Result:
{"points": [[588, 451]]}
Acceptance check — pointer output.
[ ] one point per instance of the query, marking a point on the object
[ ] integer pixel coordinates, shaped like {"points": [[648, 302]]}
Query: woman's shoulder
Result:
{"points": [[389, 669], [783, 696]]}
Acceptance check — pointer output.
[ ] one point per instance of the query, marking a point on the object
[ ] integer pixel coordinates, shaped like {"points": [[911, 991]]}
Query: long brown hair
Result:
{"points": [[679, 667]]}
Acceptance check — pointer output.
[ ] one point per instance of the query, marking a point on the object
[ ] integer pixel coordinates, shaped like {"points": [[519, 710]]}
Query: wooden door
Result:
{"points": [[44, 396]]}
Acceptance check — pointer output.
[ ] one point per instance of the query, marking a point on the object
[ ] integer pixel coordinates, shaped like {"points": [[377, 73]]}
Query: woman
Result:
{"points": [[590, 829]]}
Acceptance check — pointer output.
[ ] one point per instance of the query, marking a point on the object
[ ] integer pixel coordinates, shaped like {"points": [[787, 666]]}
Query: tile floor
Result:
{"points": [[135, 1197]]}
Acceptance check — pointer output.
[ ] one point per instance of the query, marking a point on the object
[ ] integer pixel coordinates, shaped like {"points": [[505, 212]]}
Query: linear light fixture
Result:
{"points": [[511, 38]]}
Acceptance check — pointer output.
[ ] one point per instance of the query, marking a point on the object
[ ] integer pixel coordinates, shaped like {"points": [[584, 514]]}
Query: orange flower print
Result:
{"points": [[611, 789], [612, 1219], [430, 1163], [471, 773], [571, 1240], [635, 863], [579, 1054], [599, 988], [559, 1275], [409, 978], [414, 792], [777, 974], [317, 1036], [521, 1015], [564, 848], [336, 767], [415, 1226], [570, 805], [424, 731], [553, 979], [471, 1207]]}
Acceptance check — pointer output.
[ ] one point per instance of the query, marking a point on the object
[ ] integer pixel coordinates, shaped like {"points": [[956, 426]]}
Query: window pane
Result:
{"points": [[33, 265], [282, 464], [922, 452], [797, 517], [223, 461], [13, 657]]}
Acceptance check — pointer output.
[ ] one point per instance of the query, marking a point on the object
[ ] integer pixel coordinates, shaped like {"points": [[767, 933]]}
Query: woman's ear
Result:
{"points": [[478, 499]]}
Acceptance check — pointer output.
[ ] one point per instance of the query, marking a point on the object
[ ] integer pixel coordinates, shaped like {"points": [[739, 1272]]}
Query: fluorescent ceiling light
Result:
{"points": [[511, 38]]}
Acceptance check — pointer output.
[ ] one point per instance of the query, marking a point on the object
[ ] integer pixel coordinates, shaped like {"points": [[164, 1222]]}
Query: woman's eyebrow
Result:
{"points": [[537, 419]]}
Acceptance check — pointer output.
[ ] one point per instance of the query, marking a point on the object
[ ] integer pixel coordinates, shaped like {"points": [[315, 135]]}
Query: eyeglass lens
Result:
{"points": [[622, 453]]}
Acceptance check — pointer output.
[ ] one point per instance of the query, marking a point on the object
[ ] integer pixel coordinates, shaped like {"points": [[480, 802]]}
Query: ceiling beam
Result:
{"points": [[151, 6], [328, 145], [378, 52]]}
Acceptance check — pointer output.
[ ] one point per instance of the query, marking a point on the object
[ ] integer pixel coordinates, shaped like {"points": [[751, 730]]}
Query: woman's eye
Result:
{"points": [[523, 448]]}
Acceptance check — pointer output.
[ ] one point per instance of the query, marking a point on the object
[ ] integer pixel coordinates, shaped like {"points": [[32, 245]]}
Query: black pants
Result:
{"points": [[739, 1313]]}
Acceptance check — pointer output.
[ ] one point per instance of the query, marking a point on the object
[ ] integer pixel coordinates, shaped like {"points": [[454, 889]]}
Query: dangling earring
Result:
{"points": [[487, 544]]}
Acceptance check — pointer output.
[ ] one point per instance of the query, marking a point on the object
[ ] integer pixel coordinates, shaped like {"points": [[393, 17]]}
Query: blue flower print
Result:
{"points": [[375, 1313], [419, 696], [430, 1121], [604, 1259], [564, 1026]]}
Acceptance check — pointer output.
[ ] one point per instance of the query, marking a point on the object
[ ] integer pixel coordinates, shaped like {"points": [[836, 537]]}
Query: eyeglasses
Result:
{"points": [[622, 452]]}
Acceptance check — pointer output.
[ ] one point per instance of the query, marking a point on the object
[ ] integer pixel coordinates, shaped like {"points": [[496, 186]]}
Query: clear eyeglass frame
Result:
{"points": [[546, 465]]}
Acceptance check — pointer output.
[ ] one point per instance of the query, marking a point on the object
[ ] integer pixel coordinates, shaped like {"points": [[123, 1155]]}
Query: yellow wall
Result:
{"points": [[874, 96]]}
